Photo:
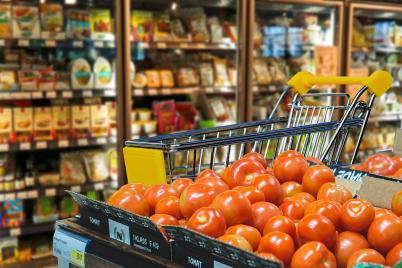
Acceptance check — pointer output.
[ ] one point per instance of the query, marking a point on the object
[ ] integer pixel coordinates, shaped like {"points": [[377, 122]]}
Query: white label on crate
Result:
{"points": [[32, 194], [4, 147], [98, 186], [15, 231], [50, 43], [220, 265], [25, 146], [62, 143], [51, 94], [23, 43], [119, 232], [50, 192], [193, 262], [41, 145], [67, 94], [2, 42], [10, 196], [98, 44], [101, 140], [37, 95], [22, 195], [75, 188], [83, 142], [78, 44], [70, 247], [87, 94]]}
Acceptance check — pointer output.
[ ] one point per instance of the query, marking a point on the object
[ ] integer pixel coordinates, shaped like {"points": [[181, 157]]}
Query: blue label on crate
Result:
{"points": [[70, 247]]}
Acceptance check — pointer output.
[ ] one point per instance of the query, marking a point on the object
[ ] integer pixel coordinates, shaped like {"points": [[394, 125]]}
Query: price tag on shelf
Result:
{"points": [[22, 195], [10, 196], [143, 45], [76, 188], [200, 45], [67, 94], [99, 186], [110, 44], [152, 91], [161, 45], [110, 93], [78, 44], [70, 247], [183, 45], [87, 94], [23, 43], [50, 43], [166, 91], [113, 139], [32, 194], [272, 88], [98, 44], [37, 95], [2, 42], [50, 192], [82, 142], [63, 143], [101, 140], [25, 146], [41, 145], [4, 147], [209, 89], [138, 92], [5, 96], [51, 94], [1, 197], [15, 231]]}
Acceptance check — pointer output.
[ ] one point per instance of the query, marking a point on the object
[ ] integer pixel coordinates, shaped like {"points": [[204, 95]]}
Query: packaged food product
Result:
{"points": [[219, 108], [96, 165], [45, 210], [101, 24], [52, 21], [206, 74], [49, 179], [6, 125], [221, 72], [277, 71], [99, 120], [12, 212], [166, 77], [28, 79], [8, 81], [153, 79], [142, 25], [216, 30], [196, 21], [61, 118], [165, 113], [150, 127], [178, 31], [23, 123], [42, 123], [262, 74], [140, 80], [187, 116], [47, 79], [12, 56], [26, 22], [71, 169], [62, 80], [104, 75], [186, 77], [231, 31], [112, 118], [233, 76], [5, 21], [113, 163], [132, 72], [68, 208], [8, 250], [136, 127], [81, 75], [77, 24], [162, 27], [80, 118]]}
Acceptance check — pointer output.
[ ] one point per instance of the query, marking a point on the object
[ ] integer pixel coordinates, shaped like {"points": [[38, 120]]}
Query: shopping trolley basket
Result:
{"points": [[311, 128]]}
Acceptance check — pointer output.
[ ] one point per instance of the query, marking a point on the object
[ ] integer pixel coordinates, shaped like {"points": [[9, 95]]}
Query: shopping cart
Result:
{"points": [[312, 128]]}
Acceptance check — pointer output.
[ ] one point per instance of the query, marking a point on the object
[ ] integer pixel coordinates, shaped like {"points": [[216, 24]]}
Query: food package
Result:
{"points": [[219, 108], [104, 75], [216, 30], [162, 27], [68, 208], [12, 212], [101, 24], [277, 71], [8, 250], [187, 116], [187, 77], [45, 210], [62, 80], [8, 81], [165, 113], [42, 123], [153, 79], [132, 72], [6, 125], [167, 79], [23, 123], [12, 56], [47, 79], [81, 75], [52, 21], [80, 118], [49, 179], [196, 21], [113, 163], [26, 22], [140, 80], [221, 72], [231, 31], [206, 74], [233, 76], [61, 118], [77, 24], [99, 121], [178, 31], [112, 117], [142, 26], [5, 21], [71, 169], [96, 165], [28, 79], [262, 74]]}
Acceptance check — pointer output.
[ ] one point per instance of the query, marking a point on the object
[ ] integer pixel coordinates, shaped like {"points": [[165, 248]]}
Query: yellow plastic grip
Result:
{"points": [[378, 82]]}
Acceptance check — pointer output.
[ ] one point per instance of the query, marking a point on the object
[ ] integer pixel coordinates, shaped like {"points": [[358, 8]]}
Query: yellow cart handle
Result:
{"points": [[378, 82]]}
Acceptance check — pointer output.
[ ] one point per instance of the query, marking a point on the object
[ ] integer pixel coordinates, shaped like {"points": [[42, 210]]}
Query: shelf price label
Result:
{"points": [[50, 192], [101, 140], [4, 147], [41, 145], [37, 95], [15, 231], [78, 44], [87, 94], [2, 42], [161, 45], [51, 94], [23, 43], [98, 44], [67, 94], [82, 142], [70, 247], [22, 195], [75, 188], [50, 43], [99, 186], [25, 146], [62, 143]]}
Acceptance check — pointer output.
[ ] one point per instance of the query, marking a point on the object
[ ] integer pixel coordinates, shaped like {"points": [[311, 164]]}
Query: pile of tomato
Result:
{"points": [[382, 164], [290, 212]]}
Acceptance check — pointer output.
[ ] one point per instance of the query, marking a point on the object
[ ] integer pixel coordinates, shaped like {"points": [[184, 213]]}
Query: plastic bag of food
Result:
{"points": [[196, 21], [71, 169], [96, 165], [263, 76], [206, 74], [221, 72], [187, 77]]}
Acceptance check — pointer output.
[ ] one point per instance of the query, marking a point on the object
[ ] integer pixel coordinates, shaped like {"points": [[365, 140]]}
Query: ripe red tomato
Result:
{"points": [[233, 206], [315, 177], [384, 233], [257, 157], [358, 167], [183, 223], [288, 153], [327, 208], [207, 173], [207, 221], [156, 192], [180, 184], [236, 241], [397, 161], [251, 234], [252, 193], [164, 219], [313, 254], [282, 224], [169, 205], [194, 197], [218, 184], [291, 188], [278, 243], [380, 164], [315, 160], [270, 171], [314, 227], [290, 168], [308, 198], [138, 187], [261, 213], [270, 186], [346, 244], [131, 201], [365, 255], [357, 215], [224, 173], [381, 212], [396, 204], [334, 192], [293, 208], [268, 256], [398, 174], [394, 255], [243, 171]]}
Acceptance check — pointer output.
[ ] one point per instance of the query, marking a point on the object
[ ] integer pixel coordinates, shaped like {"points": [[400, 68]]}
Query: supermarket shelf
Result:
{"points": [[184, 45], [50, 191], [268, 89], [44, 145], [48, 262], [57, 94], [386, 117], [30, 229], [52, 43], [182, 91], [383, 49]]}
